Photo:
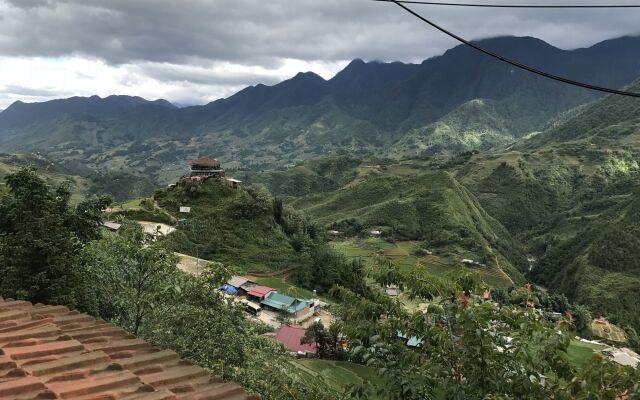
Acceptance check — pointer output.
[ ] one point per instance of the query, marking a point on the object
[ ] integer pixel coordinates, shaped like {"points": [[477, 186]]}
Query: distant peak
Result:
{"points": [[356, 62], [308, 75]]}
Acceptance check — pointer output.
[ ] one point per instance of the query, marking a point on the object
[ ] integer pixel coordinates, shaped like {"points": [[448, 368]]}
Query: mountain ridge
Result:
{"points": [[366, 108]]}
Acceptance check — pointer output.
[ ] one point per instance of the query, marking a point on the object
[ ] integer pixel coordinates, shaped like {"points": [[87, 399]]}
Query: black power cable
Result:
{"points": [[437, 3], [515, 63]]}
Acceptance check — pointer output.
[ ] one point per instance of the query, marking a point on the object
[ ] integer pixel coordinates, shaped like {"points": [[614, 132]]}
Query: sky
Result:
{"points": [[196, 51]]}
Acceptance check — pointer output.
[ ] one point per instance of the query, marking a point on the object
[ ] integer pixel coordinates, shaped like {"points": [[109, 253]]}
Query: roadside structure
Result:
{"points": [[50, 352]]}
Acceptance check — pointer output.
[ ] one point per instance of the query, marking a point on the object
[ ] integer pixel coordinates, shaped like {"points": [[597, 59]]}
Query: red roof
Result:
{"points": [[290, 337], [49, 352], [260, 291], [205, 162]]}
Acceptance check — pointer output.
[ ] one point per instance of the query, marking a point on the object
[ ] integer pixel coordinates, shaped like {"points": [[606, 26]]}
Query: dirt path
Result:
{"points": [[150, 227]]}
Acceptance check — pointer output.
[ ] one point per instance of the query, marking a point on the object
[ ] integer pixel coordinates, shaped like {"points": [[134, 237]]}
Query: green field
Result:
{"points": [[404, 254], [279, 283], [579, 353], [337, 374]]}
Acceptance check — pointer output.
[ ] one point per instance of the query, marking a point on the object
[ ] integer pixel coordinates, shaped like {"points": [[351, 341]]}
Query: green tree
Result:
{"points": [[327, 340], [134, 276], [40, 237], [582, 320], [462, 347]]}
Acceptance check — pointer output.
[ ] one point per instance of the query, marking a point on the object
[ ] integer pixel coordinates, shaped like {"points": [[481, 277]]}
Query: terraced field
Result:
{"points": [[404, 254]]}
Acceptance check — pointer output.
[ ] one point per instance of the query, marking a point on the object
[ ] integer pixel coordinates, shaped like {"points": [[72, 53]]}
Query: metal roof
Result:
{"points": [[49, 352], [260, 291], [290, 337], [237, 281], [282, 302]]}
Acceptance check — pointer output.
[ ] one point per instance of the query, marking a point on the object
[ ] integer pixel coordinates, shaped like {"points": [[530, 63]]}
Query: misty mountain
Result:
{"points": [[367, 107]]}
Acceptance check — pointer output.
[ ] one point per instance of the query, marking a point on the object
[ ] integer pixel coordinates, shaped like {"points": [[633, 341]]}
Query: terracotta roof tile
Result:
{"points": [[49, 352]]}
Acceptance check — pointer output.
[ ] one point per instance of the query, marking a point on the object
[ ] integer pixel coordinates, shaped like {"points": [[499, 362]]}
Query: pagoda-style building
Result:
{"points": [[205, 167]]}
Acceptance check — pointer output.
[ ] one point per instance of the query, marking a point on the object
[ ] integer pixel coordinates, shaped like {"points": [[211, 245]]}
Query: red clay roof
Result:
{"points": [[205, 162], [260, 291], [49, 352], [290, 337]]}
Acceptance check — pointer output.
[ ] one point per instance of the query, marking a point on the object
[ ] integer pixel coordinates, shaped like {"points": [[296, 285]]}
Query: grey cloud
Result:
{"points": [[29, 92], [202, 75], [258, 32]]}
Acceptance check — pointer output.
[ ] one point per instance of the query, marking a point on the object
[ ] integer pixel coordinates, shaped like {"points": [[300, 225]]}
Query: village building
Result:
{"points": [[295, 308], [392, 291], [241, 284], [205, 167], [290, 337], [112, 226], [258, 293], [232, 183], [622, 356]]}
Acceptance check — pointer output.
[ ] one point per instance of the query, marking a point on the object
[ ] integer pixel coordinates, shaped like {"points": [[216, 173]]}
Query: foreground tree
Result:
{"points": [[464, 348], [40, 237], [135, 276], [140, 288]]}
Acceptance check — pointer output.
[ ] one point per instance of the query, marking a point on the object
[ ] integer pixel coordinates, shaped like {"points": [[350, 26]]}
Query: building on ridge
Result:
{"points": [[205, 167]]}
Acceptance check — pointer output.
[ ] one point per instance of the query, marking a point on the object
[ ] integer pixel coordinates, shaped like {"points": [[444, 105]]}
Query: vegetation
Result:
{"points": [[465, 348], [40, 236]]}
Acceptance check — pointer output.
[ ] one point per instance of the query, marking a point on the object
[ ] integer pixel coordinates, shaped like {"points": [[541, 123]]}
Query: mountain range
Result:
{"points": [[455, 102]]}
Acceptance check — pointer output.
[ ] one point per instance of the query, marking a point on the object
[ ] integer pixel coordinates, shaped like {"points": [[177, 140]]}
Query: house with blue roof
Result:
{"points": [[295, 308]]}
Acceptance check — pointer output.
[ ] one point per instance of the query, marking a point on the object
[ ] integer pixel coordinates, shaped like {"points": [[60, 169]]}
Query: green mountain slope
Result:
{"points": [[475, 125], [432, 207], [614, 120], [236, 227], [81, 180], [598, 262]]}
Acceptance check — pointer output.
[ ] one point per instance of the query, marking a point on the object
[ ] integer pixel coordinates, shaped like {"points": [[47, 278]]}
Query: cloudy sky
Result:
{"points": [[195, 51]]}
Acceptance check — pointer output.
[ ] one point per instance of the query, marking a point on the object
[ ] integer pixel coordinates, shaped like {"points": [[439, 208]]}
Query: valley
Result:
{"points": [[447, 229]]}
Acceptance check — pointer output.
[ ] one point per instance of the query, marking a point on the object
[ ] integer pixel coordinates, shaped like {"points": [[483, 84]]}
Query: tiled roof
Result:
{"points": [[49, 352], [290, 337], [204, 162]]}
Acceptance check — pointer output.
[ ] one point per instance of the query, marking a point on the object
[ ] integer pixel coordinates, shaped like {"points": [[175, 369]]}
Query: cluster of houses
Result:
{"points": [[257, 298]]}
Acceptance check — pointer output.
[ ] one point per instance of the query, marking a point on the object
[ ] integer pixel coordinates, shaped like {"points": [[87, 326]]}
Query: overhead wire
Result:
{"points": [[512, 62], [542, 6]]}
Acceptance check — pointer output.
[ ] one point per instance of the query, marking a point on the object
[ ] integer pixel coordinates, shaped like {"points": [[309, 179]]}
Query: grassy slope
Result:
{"points": [[404, 254], [337, 374], [214, 230], [431, 207], [51, 172], [474, 125], [570, 194]]}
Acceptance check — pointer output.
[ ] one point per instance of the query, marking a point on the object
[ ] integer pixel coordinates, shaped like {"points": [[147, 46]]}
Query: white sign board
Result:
{"points": [[185, 209]]}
